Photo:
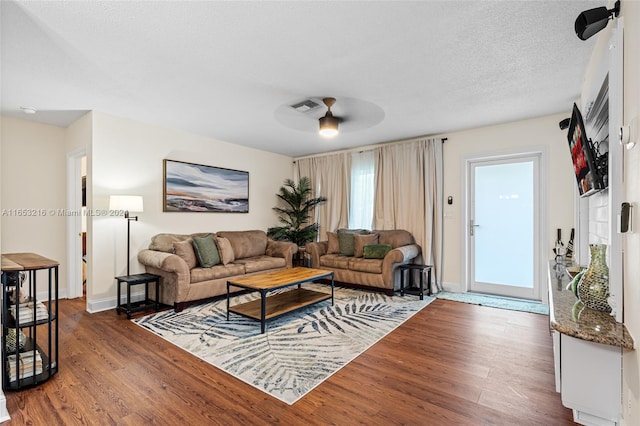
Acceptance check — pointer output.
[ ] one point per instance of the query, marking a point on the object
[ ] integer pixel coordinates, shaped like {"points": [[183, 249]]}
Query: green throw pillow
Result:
{"points": [[206, 251], [346, 240], [376, 251]]}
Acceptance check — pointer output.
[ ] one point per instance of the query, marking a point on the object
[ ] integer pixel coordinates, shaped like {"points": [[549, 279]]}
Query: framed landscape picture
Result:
{"points": [[192, 187]]}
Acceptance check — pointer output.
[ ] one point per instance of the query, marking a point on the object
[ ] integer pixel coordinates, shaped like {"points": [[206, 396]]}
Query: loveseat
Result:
{"points": [[365, 259], [184, 280]]}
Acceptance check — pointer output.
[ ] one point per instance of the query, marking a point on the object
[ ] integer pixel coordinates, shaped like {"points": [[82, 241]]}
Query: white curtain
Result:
{"points": [[409, 186], [329, 176], [408, 192], [362, 190]]}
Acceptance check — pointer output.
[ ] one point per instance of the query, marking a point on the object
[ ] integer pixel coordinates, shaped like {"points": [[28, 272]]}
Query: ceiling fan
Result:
{"points": [[329, 123]]}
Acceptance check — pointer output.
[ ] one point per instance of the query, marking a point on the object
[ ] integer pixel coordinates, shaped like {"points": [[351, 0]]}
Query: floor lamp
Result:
{"points": [[127, 203]]}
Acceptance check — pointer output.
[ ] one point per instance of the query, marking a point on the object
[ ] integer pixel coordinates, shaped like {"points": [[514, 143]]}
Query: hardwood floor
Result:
{"points": [[451, 364]]}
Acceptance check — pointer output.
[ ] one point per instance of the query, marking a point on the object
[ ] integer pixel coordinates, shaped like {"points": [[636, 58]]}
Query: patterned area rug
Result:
{"points": [[496, 302], [299, 350]]}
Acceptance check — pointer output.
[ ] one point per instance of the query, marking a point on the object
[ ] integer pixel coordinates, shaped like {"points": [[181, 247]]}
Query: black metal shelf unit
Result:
{"points": [[30, 326]]}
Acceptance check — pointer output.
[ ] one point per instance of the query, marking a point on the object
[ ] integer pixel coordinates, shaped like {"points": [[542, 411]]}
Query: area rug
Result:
{"points": [[496, 302], [299, 350]]}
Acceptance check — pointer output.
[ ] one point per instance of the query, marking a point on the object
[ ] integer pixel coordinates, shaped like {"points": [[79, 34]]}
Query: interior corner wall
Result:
{"points": [[533, 133], [4, 414], [127, 159], [630, 12], [34, 191]]}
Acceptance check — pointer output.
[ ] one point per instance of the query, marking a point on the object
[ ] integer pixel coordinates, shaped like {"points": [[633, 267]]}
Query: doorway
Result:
{"points": [[504, 225], [76, 223]]}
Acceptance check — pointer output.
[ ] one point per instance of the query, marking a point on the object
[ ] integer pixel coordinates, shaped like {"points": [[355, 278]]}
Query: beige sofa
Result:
{"points": [[357, 271], [182, 281]]}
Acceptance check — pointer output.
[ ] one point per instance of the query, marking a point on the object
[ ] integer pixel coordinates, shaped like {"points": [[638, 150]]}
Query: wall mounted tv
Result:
{"points": [[587, 165]]}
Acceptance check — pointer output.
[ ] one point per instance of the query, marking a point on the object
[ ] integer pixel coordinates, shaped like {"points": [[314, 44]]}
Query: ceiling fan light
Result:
{"points": [[328, 126]]}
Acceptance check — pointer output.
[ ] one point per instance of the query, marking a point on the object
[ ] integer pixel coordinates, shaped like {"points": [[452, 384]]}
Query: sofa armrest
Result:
{"points": [[168, 262], [315, 250], [397, 256], [283, 249]]}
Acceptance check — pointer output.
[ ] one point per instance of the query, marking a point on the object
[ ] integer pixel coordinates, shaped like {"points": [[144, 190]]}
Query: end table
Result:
{"points": [[131, 280], [424, 270]]}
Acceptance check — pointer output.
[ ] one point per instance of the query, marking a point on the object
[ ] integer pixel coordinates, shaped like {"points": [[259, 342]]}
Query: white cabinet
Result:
{"points": [[587, 351], [591, 380]]}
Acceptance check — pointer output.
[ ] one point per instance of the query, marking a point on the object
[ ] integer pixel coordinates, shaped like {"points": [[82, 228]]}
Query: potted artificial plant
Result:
{"points": [[295, 215]]}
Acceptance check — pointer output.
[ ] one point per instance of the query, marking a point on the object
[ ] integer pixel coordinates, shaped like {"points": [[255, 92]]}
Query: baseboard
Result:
{"points": [[452, 287], [4, 414], [100, 305], [43, 296]]}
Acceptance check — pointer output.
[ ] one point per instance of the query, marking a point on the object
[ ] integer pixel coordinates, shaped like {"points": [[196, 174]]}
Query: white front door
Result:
{"points": [[503, 205]]}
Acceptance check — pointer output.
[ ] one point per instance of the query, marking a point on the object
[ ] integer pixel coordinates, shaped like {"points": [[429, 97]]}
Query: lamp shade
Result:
{"points": [[129, 203]]}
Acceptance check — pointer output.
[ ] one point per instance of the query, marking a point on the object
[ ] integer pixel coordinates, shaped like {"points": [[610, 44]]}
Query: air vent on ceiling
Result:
{"points": [[306, 105]]}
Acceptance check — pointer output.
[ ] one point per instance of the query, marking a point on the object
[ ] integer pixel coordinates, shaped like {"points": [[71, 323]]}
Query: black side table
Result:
{"points": [[142, 305], [301, 258], [423, 269]]}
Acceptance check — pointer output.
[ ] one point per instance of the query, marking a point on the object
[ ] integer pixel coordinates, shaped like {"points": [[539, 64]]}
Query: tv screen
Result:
{"points": [[582, 156]]}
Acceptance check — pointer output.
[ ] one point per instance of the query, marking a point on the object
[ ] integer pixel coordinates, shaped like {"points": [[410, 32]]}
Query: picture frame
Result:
{"points": [[191, 187]]}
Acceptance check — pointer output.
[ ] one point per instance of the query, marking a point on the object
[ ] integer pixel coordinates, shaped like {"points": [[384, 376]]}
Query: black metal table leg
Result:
{"points": [[119, 301], [128, 301], [332, 287], [227, 300], [157, 294], [263, 308]]}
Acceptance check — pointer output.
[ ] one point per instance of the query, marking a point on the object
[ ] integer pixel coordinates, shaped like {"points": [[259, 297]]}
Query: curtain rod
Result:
{"points": [[367, 147]]}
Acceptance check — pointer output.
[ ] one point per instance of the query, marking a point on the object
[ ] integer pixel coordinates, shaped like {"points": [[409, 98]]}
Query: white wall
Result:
{"points": [[630, 11], [4, 414], [560, 181], [126, 158], [33, 179], [123, 157]]}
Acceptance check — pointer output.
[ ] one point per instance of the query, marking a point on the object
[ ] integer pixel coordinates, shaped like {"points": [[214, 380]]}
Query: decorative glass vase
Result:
{"points": [[593, 288]]}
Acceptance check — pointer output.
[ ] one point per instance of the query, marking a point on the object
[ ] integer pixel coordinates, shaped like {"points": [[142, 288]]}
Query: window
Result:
{"points": [[362, 190]]}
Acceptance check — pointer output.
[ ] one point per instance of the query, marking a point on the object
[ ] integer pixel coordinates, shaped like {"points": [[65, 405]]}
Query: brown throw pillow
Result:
{"points": [[359, 241], [225, 250], [184, 249], [333, 246]]}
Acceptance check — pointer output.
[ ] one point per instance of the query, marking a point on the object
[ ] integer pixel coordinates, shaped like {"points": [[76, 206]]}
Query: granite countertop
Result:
{"points": [[570, 317]]}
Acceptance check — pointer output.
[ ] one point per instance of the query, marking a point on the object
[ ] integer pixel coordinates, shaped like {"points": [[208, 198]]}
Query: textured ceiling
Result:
{"points": [[226, 69]]}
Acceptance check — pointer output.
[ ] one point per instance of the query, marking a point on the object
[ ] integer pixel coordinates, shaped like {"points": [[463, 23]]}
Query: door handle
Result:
{"points": [[471, 226]]}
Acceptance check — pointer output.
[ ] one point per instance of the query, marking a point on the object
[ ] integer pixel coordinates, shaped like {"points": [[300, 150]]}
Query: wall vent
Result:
{"points": [[306, 106]]}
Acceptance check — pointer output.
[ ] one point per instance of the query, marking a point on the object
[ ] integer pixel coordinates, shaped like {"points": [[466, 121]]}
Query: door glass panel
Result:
{"points": [[504, 224]]}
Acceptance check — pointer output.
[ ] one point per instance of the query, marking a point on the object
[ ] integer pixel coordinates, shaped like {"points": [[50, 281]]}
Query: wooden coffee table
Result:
{"points": [[272, 306]]}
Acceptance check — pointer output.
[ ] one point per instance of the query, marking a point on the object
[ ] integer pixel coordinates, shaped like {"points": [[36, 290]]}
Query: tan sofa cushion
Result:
{"points": [[215, 272], [246, 243], [227, 254], [395, 238], [334, 245], [164, 242], [184, 249], [261, 263], [335, 261], [372, 266], [359, 241]]}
